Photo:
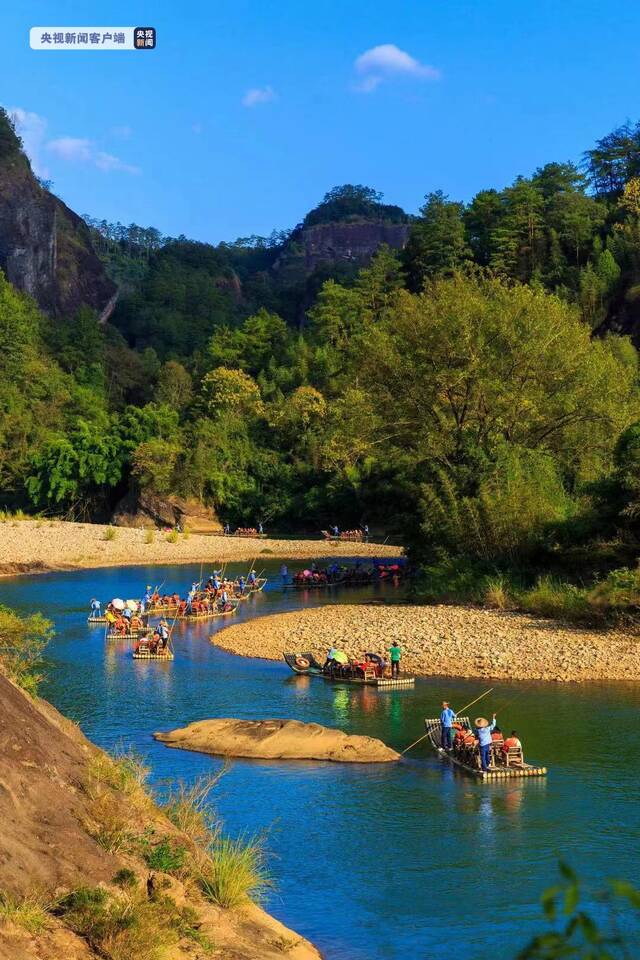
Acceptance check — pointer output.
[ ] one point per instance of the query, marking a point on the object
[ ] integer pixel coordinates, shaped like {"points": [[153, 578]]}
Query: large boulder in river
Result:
{"points": [[277, 740]]}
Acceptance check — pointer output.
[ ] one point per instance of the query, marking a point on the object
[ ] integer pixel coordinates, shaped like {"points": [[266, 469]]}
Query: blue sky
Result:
{"points": [[249, 111]]}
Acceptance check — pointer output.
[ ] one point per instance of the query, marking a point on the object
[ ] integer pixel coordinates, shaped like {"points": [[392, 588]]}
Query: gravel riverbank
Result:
{"points": [[445, 641], [32, 546]]}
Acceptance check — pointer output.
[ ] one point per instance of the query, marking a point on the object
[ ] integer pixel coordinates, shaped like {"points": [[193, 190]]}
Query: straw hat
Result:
{"points": [[482, 722]]}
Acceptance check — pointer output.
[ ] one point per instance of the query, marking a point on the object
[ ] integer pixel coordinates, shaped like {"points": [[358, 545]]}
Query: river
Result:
{"points": [[372, 862]]}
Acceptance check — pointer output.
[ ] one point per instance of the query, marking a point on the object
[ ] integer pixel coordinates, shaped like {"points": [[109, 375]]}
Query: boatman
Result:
{"points": [[251, 579], [446, 723], [146, 600], [484, 729], [95, 608], [163, 630], [241, 585], [395, 654]]}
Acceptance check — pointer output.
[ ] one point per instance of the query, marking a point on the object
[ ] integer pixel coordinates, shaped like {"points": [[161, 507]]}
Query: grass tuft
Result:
{"points": [[496, 594], [31, 913], [150, 536], [189, 810], [234, 871], [110, 533], [172, 537]]}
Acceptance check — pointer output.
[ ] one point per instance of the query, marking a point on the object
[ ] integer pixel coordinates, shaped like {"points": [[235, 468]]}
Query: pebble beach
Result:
{"points": [[444, 640], [32, 546]]}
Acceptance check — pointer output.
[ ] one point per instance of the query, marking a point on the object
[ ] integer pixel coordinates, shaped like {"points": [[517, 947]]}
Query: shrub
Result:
{"points": [[172, 537], [125, 878], [234, 871], [619, 594], [552, 598], [120, 927], [30, 912], [110, 533], [186, 533], [167, 856], [150, 536], [22, 642]]}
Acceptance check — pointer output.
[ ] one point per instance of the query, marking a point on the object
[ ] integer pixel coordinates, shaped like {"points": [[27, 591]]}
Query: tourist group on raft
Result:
{"points": [[485, 746], [126, 617], [335, 573]]}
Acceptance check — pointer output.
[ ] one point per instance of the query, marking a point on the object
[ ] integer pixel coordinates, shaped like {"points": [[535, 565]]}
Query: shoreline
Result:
{"points": [[30, 547], [444, 641]]}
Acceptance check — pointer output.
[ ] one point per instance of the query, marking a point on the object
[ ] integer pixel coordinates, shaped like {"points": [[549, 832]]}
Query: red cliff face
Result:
{"points": [[45, 248]]}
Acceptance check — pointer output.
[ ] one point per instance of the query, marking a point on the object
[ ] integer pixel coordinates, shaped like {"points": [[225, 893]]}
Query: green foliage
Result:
{"points": [[562, 601], [437, 245], [353, 202], [167, 856], [230, 391], [575, 932], [22, 642], [153, 464], [122, 926]]}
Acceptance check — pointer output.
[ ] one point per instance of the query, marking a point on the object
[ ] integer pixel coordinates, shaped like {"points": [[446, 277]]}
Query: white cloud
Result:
{"points": [[258, 95], [32, 128], [107, 162], [74, 149], [81, 150], [385, 61]]}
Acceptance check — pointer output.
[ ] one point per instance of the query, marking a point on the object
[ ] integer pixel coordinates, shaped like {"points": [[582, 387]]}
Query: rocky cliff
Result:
{"points": [[353, 242], [45, 248]]}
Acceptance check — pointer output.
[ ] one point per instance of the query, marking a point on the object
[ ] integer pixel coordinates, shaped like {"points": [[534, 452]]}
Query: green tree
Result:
{"points": [[437, 244], [232, 391]]}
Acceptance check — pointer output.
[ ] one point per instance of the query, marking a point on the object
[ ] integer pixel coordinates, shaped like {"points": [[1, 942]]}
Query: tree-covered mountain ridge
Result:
{"points": [[464, 390]]}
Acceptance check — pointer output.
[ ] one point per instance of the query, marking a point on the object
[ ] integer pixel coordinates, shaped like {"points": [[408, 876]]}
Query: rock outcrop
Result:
{"points": [[352, 242], [277, 740], [45, 248], [59, 806], [148, 510]]}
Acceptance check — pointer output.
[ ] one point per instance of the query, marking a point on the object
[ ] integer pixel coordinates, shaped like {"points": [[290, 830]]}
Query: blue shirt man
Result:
{"points": [[251, 579], [484, 729], [446, 720]]}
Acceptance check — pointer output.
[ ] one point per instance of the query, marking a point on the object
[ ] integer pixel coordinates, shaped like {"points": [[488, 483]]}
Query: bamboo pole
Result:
{"points": [[466, 707]]}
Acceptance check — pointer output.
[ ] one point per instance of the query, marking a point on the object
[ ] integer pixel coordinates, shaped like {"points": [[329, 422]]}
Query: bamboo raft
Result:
{"points": [[314, 669], [96, 619], [115, 635], [208, 616], [434, 735], [147, 655]]}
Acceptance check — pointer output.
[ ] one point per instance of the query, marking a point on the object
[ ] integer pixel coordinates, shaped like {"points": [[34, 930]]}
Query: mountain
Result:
{"points": [[45, 248]]}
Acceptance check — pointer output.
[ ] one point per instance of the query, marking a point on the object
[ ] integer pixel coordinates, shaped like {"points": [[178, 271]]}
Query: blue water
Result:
{"points": [[373, 862]]}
